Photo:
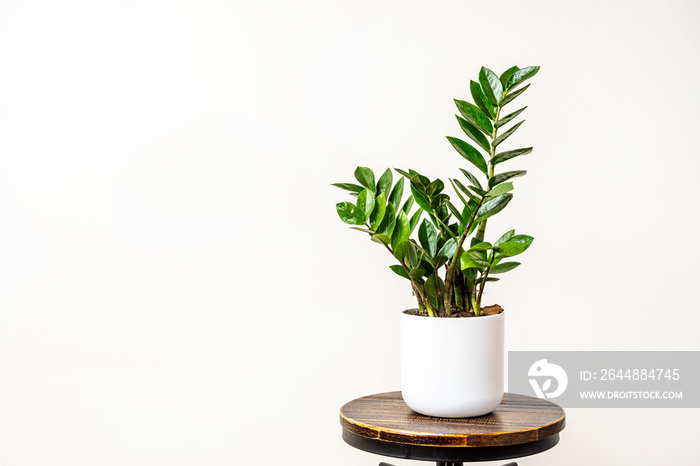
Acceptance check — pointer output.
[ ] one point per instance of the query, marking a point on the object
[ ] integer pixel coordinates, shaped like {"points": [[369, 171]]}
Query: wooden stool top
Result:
{"points": [[519, 419]]}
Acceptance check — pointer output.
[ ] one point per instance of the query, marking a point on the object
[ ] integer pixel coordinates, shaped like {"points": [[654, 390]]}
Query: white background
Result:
{"points": [[175, 285]]}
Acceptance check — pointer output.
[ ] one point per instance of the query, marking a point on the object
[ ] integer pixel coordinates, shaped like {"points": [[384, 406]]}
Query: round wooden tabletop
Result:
{"points": [[518, 420]]}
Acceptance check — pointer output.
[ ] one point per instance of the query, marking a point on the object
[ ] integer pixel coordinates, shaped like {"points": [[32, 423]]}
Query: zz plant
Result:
{"points": [[447, 273]]}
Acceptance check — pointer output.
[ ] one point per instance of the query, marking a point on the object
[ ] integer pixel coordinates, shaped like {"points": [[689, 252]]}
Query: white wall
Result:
{"points": [[176, 288]]}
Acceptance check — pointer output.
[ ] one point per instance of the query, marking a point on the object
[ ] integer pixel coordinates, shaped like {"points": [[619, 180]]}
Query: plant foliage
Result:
{"points": [[427, 232]]}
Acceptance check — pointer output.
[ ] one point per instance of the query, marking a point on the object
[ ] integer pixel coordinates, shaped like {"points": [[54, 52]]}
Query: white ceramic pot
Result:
{"points": [[452, 366]]}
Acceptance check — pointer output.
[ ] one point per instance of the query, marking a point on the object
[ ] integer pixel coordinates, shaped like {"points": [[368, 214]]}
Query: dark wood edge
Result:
{"points": [[455, 440], [449, 454]]}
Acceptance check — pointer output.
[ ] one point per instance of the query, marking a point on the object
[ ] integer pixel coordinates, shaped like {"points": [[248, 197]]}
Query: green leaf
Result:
{"points": [[481, 100], [427, 236], [475, 116], [386, 227], [472, 179], [353, 188], [416, 273], [503, 156], [491, 85], [350, 214], [415, 218], [381, 239], [525, 240], [454, 211], [474, 259], [506, 236], [512, 95], [402, 251], [399, 271], [473, 133], [521, 75], [377, 215], [407, 205], [365, 176], [439, 200], [420, 198], [492, 207], [434, 188], [384, 183], [448, 249], [500, 189], [469, 153], [510, 248], [481, 246], [397, 193], [504, 267], [439, 261], [507, 74], [402, 229], [501, 177], [432, 283], [365, 202], [459, 193], [506, 119], [505, 135]]}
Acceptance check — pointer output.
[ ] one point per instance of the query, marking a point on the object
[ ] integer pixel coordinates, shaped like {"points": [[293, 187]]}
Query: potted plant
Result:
{"points": [[451, 347]]}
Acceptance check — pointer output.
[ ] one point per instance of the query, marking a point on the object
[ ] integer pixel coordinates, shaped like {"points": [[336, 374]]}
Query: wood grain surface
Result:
{"points": [[519, 419]]}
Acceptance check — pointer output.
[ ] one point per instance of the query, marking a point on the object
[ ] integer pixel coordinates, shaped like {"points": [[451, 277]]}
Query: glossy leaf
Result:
{"points": [[481, 246], [481, 100], [510, 96], [492, 207], [384, 183], [377, 215], [469, 153], [507, 74], [521, 75], [475, 116], [439, 200], [416, 273], [501, 177], [504, 267], [427, 236], [353, 188], [507, 155], [505, 135], [455, 211], [407, 205], [420, 198], [525, 240], [434, 188], [510, 248], [402, 229], [402, 251], [506, 236], [365, 177], [507, 119], [432, 283], [415, 219], [350, 214], [448, 249], [439, 261], [381, 239], [459, 192], [473, 259], [500, 189], [399, 271], [386, 227], [474, 134], [491, 85], [397, 193], [365, 202], [472, 179]]}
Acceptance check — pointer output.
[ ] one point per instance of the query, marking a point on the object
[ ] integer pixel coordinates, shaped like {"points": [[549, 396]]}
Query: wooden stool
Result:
{"points": [[519, 426]]}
